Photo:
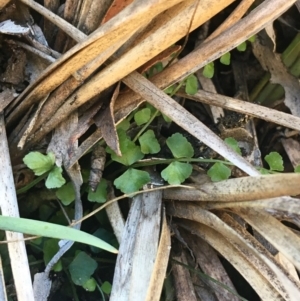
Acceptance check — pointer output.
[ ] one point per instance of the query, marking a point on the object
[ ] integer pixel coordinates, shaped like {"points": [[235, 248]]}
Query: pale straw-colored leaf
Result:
{"points": [[240, 189], [253, 276], [282, 238], [276, 275]]}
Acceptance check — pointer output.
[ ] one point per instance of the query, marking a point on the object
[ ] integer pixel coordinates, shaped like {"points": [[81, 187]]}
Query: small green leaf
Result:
{"points": [[130, 151], [55, 178], [191, 86], [132, 180], [177, 172], [149, 143], [231, 142], [82, 268], [66, 194], [297, 169], [50, 248], [225, 58], [209, 70], [106, 287], [85, 173], [38, 162], [124, 125], [158, 67], [252, 39], [242, 47], [275, 161], [152, 109], [219, 172], [100, 195], [166, 118], [264, 171], [179, 146], [170, 90], [90, 285], [142, 116]]}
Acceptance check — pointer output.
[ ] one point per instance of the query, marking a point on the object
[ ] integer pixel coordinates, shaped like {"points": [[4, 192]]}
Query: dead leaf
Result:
{"points": [[115, 8], [271, 33], [98, 160], [164, 56], [6, 97], [106, 122], [240, 189], [11, 28], [15, 71], [139, 244]]}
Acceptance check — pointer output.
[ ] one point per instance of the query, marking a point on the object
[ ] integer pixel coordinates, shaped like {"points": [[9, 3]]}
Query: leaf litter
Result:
{"points": [[76, 82]]}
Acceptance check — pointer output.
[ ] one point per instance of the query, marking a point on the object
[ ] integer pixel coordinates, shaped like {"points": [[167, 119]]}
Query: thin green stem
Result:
{"points": [[145, 126], [33, 183], [101, 292]]}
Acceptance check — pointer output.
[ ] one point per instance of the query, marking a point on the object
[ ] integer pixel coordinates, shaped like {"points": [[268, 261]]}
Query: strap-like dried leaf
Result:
{"points": [[262, 287], [138, 249], [282, 238], [122, 26], [161, 263], [245, 107], [257, 19], [241, 189], [278, 276]]}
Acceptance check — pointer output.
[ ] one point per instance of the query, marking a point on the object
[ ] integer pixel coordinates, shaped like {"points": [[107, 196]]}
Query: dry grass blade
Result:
{"points": [[245, 268], [244, 107], [117, 29], [209, 262], [282, 238], [6, 97], [3, 295], [166, 29], [287, 205], [268, 11], [9, 207], [182, 279], [237, 14], [61, 23], [161, 263], [186, 120], [114, 52], [240, 189], [275, 274], [138, 248], [115, 216], [3, 3]]}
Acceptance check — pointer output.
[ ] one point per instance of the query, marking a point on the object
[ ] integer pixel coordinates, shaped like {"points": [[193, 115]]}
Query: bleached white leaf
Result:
{"points": [[9, 27]]}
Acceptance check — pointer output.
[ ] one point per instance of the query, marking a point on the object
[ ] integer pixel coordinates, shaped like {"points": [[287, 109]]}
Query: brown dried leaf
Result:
{"points": [[6, 97], [161, 263], [115, 8], [106, 122], [250, 272], [182, 278], [15, 71], [281, 237], [98, 160], [241, 189]]}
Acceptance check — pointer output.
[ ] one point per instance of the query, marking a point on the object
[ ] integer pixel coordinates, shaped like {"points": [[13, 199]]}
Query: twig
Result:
{"points": [[9, 207]]}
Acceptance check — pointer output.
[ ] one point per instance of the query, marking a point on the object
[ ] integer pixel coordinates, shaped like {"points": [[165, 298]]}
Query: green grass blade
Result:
{"points": [[34, 227]]}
